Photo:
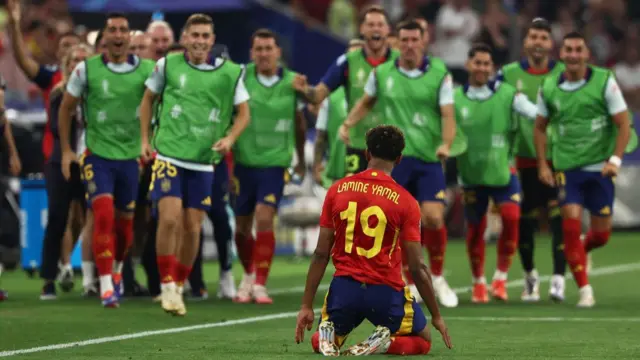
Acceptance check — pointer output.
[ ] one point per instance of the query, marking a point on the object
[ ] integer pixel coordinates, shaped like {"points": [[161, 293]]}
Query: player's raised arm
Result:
{"points": [[332, 79], [26, 63], [410, 236], [70, 100], [540, 142], [447, 111], [362, 107]]}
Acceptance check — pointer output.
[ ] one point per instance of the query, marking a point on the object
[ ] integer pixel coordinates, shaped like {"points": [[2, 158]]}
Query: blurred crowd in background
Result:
{"points": [[612, 27]]}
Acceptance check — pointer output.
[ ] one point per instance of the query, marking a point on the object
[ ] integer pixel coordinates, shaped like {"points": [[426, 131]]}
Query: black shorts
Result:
{"points": [[355, 161], [535, 194]]}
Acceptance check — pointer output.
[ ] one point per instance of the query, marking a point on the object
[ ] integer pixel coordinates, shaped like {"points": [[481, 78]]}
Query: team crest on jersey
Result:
{"points": [[166, 185], [92, 187]]}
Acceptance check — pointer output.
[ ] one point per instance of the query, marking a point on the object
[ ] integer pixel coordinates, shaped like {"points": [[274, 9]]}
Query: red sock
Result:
{"points": [[124, 237], [182, 272], [508, 242], [574, 250], [436, 244], [103, 242], [409, 345], [476, 246], [405, 269], [245, 245], [596, 239], [167, 268], [263, 255]]}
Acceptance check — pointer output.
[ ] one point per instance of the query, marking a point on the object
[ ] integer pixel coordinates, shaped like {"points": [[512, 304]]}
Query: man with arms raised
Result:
{"points": [[417, 96], [366, 219], [110, 87], [351, 71], [526, 76], [262, 156], [485, 112], [200, 94], [585, 107]]}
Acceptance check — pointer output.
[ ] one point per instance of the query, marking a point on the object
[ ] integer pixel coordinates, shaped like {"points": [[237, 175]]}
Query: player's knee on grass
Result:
{"points": [[264, 217]]}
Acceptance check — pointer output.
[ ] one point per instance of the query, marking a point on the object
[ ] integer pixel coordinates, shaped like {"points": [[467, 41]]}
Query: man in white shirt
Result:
{"points": [[456, 26]]}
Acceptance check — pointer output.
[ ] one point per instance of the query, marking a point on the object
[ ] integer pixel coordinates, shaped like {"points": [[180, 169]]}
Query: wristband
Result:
{"points": [[615, 161]]}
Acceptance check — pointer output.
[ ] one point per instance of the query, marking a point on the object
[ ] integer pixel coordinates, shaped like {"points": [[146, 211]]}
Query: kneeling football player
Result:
{"points": [[365, 220]]}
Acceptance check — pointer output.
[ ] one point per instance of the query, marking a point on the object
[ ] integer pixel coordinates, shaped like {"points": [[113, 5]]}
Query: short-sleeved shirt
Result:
{"points": [[371, 216]]}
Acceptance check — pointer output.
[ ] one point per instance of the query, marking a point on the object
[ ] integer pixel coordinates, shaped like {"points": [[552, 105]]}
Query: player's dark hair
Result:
{"points": [[479, 48], [96, 45], [385, 142], [573, 35], [539, 24], [115, 15], [409, 25], [199, 19], [264, 34], [372, 9]]}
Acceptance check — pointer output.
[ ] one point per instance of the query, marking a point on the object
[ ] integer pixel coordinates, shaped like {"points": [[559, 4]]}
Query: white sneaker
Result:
{"points": [[415, 293], [327, 339], [168, 298], [531, 292], [445, 295], [226, 286], [556, 289], [178, 300], [586, 297], [376, 343], [260, 295], [245, 291]]}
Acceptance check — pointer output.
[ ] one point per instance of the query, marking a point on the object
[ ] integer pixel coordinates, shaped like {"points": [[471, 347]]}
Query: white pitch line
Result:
{"points": [[540, 319], [285, 315]]}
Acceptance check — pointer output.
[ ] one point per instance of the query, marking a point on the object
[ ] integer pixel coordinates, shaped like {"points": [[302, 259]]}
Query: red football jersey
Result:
{"points": [[371, 216]]}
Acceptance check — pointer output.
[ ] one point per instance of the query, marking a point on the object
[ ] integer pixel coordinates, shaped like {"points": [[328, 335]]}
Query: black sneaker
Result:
{"points": [[48, 291]]}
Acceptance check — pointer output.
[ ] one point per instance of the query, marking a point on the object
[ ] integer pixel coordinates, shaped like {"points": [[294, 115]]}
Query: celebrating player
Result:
{"points": [[262, 155], [351, 71], [527, 76], [585, 107], [197, 106], [110, 87], [332, 113], [366, 219], [484, 111], [417, 96]]}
